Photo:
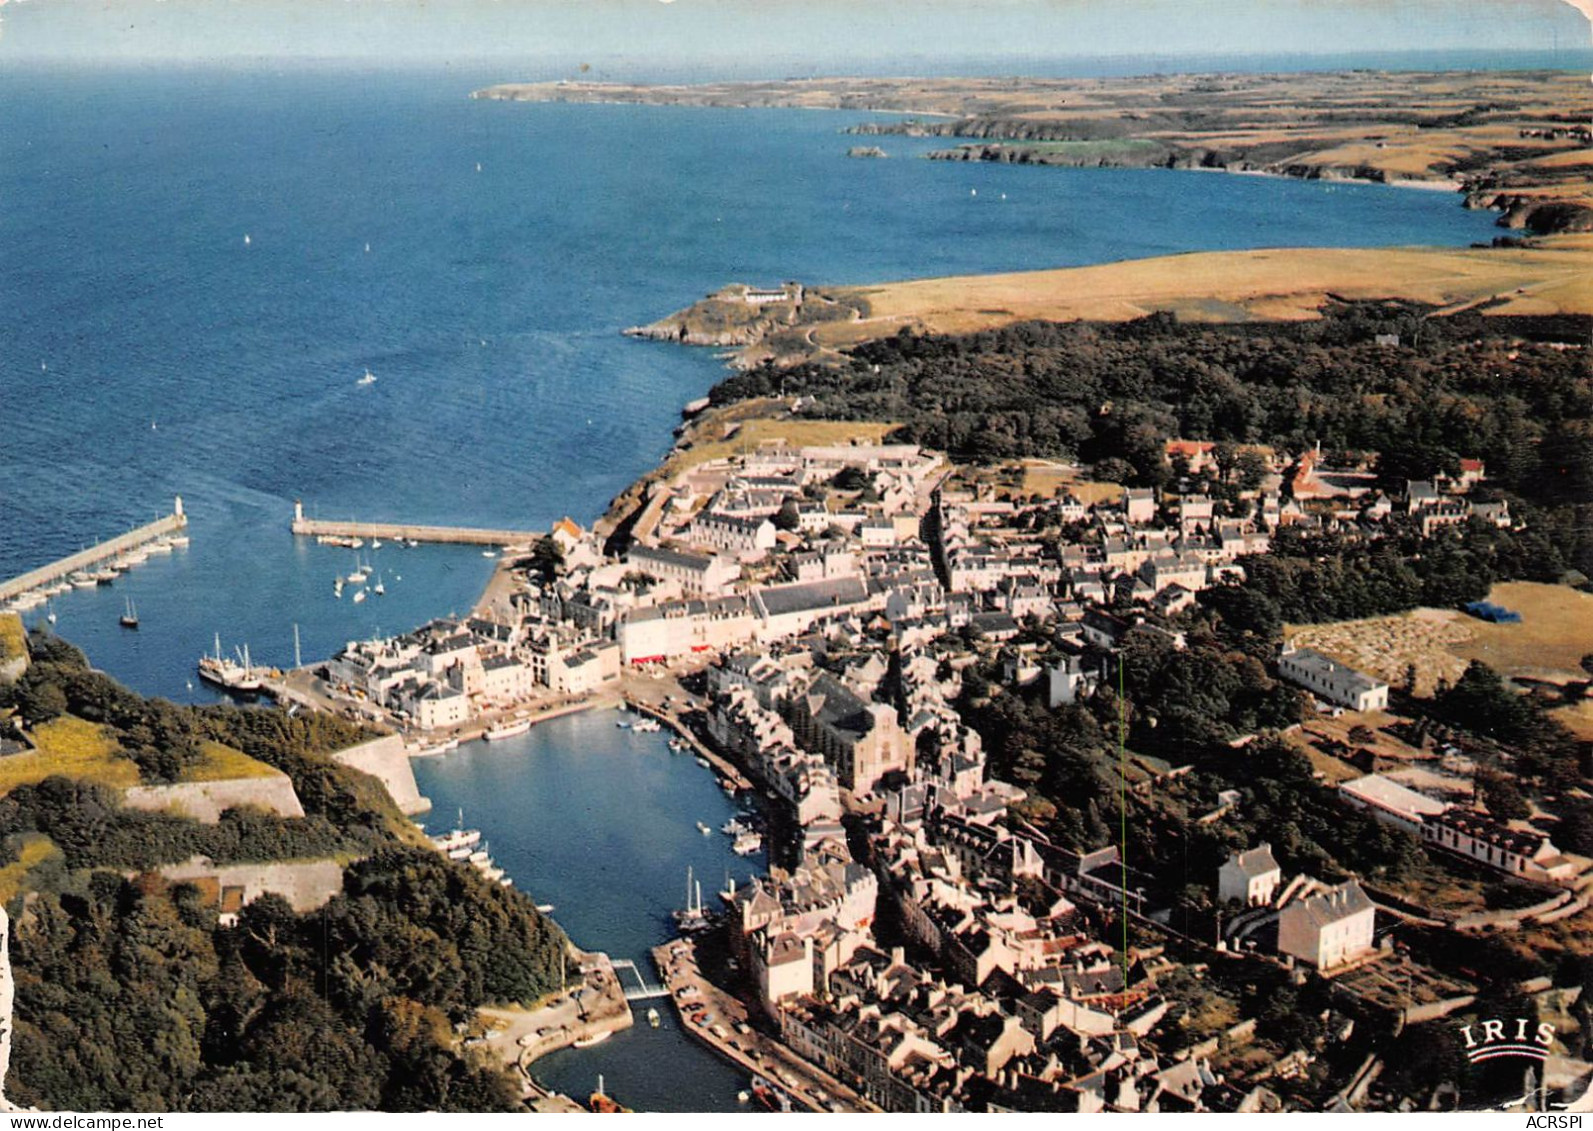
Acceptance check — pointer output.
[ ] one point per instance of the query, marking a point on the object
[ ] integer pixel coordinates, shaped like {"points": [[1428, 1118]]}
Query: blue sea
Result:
{"points": [[197, 266]]}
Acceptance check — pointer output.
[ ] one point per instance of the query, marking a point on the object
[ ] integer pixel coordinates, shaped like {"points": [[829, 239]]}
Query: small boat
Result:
{"points": [[460, 837], [507, 730], [704, 829], [769, 1096], [494, 874], [462, 853], [379, 588], [103, 576], [489, 553], [82, 581], [479, 856], [178, 541], [652, 1017], [746, 844], [600, 1101], [545, 908], [376, 543], [622, 724], [129, 618], [596, 1038], [368, 379], [733, 827], [703, 762], [337, 587], [506, 882], [50, 616], [743, 1096], [360, 596]]}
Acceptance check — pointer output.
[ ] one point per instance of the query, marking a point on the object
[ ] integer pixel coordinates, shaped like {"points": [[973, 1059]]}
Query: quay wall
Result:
{"points": [[386, 760], [93, 555], [467, 535]]}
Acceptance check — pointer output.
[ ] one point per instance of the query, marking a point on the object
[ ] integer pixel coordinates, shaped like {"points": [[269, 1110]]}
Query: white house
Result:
{"points": [[1250, 877], [1332, 681], [1329, 929]]}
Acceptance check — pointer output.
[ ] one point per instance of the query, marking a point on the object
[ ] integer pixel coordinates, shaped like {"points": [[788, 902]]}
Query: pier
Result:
{"points": [[393, 531], [121, 544]]}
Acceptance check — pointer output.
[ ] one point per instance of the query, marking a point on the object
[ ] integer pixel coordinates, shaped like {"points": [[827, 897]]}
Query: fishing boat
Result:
{"points": [[600, 1101], [647, 726], [232, 675], [746, 844], [460, 837], [129, 618], [507, 730], [693, 918]]}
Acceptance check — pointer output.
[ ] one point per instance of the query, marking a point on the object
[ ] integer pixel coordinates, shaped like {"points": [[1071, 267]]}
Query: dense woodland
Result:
{"points": [[131, 997]]}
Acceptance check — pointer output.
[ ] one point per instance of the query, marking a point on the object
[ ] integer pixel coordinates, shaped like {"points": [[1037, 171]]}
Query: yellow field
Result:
{"points": [[221, 763], [81, 750], [1285, 284], [742, 428], [73, 748], [1042, 477], [34, 851], [13, 637], [1555, 632]]}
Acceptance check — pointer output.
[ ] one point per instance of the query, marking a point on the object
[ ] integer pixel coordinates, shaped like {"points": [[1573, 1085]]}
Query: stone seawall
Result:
{"points": [[386, 760], [205, 800]]}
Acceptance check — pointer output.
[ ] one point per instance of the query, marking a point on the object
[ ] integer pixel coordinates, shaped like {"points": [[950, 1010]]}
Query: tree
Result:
{"points": [[547, 557]]}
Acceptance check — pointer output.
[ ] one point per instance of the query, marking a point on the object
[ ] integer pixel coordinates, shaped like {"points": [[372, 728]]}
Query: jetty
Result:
{"points": [[95, 554], [393, 531]]}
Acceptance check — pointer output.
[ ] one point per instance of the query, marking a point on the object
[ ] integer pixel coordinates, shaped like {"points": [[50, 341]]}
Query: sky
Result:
{"points": [[819, 32]]}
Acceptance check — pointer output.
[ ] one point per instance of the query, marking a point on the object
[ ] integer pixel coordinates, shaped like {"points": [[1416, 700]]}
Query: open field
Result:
{"points": [[743, 427], [1555, 632], [1274, 284], [223, 763], [81, 750], [1291, 284], [70, 747], [35, 850]]}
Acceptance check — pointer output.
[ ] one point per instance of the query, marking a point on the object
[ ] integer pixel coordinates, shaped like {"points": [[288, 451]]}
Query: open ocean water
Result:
{"points": [[148, 349]]}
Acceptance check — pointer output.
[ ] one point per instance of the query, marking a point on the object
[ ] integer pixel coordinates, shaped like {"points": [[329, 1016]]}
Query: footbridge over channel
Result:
{"points": [[643, 990]]}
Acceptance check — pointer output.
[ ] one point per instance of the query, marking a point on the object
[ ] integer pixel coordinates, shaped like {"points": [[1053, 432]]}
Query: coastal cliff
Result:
{"points": [[1515, 143]]}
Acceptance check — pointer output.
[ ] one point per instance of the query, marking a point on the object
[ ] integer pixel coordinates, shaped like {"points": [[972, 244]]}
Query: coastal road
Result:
{"points": [[703, 1006]]}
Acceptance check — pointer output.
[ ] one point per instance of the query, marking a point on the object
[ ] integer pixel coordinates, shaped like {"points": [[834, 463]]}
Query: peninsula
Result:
{"points": [[1513, 142]]}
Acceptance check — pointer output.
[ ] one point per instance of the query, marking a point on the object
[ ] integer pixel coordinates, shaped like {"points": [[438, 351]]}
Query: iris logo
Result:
{"points": [[1493, 1038]]}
